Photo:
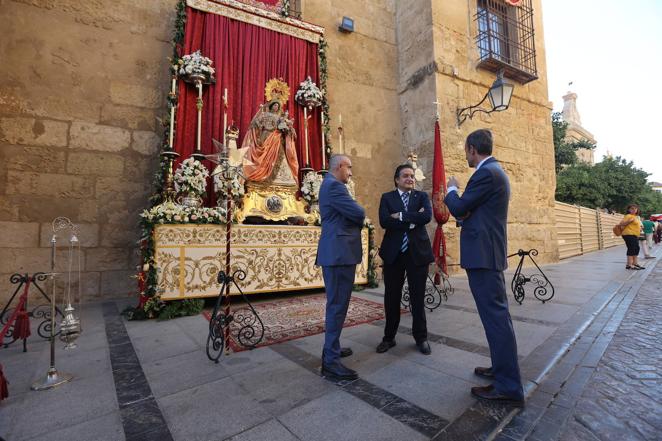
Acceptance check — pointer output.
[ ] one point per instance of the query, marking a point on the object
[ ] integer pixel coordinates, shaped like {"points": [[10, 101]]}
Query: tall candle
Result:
{"points": [[305, 128], [340, 134], [199, 84], [323, 144], [225, 114], [172, 113]]}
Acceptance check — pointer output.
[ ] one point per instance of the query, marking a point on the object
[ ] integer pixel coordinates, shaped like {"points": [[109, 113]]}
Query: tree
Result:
{"points": [[613, 184], [565, 153]]}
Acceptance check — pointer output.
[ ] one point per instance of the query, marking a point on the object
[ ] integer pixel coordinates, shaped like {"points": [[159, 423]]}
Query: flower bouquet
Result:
{"points": [[191, 180], [310, 187], [308, 94], [195, 67], [236, 185], [171, 213]]}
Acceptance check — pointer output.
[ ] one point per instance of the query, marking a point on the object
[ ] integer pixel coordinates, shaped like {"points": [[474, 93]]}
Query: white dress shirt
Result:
{"points": [[400, 192]]}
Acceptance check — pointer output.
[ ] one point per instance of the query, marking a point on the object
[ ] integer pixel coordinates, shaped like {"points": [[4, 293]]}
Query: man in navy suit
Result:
{"points": [[404, 213], [483, 210], [338, 253]]}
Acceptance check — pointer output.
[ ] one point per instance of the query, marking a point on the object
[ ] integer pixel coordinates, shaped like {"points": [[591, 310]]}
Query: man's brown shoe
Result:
{"points": [[485, 372], [488, 393]]}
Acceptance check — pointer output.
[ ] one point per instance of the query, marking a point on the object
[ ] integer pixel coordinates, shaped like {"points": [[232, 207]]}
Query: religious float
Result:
{"points": [[245, 149]]}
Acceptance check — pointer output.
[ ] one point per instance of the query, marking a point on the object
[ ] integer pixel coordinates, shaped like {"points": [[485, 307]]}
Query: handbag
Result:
{"points": [[618, 230]]}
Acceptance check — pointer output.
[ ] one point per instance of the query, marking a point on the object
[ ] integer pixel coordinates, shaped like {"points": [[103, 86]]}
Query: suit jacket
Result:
{"points": [[419, 242], [342, 221], [483, 239]]}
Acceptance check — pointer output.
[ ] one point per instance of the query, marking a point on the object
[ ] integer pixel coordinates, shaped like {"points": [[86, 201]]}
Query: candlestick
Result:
{"points": [[323, 144]]}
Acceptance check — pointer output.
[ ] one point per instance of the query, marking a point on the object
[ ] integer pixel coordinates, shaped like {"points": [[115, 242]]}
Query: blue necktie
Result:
{"points": [[405, 241]]}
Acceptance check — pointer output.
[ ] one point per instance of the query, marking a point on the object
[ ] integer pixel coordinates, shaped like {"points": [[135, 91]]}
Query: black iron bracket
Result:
{"points": [[248, 330], [543, 289]]}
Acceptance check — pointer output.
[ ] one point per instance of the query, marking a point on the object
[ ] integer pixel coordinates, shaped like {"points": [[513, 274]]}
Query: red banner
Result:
{"points": [[441, 213], [514, 2]]}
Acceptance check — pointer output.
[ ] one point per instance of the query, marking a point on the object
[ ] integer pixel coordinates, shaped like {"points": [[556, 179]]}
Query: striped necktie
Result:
{"points": [[405, 240]]}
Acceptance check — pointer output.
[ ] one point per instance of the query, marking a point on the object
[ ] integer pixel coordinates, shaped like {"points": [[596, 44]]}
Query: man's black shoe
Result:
{"points": [[346, 352], [488, 393], [338, 371], [385, 345], [424, 347], [485, 372]]}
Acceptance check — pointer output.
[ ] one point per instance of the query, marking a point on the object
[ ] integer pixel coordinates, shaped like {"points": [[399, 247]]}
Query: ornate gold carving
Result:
{"points": [[273, 202], [274, 257], [260, 17]]}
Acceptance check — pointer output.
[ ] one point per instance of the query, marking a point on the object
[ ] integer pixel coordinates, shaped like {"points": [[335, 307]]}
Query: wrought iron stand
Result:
{"points": [[41, 312], [249, 327], [543, 289], [434, 294]]}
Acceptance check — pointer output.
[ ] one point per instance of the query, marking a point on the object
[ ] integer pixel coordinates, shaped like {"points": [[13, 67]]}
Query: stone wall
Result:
{"points": [[81, 86], [442, 66]]}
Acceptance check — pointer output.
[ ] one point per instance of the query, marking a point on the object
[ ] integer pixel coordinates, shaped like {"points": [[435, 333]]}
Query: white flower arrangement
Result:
{"points": [[196, 64], [171, 213], [191, 177], [310, 187], [309, 94], [237, 184]]}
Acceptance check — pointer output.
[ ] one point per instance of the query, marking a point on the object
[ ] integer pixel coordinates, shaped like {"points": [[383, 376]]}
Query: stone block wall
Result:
{"points": [[439, 63], [81, 87]]}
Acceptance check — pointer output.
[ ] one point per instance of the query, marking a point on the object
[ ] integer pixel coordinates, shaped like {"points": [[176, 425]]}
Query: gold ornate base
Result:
{"points": [[275, 258], [274, 203]]}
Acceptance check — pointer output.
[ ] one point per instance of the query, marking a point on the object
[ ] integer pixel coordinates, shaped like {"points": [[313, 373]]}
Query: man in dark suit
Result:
{"points": [[338, 253], [404, 213], [483, 209]]}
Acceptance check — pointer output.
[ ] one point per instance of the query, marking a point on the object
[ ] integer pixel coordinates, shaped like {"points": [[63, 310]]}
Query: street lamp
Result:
{"points": [[499, 95]]}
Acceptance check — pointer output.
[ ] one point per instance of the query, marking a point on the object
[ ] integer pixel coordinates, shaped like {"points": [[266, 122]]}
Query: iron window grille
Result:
{"points": [[506, 39]]}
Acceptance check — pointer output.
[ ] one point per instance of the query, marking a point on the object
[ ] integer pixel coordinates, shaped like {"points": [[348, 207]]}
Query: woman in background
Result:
{"points": [[631, 229]]}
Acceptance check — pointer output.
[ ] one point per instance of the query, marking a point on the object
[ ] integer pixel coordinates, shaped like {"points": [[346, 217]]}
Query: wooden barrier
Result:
{"points": [[582, 230]]}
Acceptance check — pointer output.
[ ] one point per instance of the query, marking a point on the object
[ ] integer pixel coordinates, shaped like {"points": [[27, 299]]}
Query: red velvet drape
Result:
{"points": [[245, 57]]}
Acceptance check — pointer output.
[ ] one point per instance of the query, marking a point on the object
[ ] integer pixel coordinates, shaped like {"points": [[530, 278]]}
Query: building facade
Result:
{"points": [[83, 85], [576, 132]]}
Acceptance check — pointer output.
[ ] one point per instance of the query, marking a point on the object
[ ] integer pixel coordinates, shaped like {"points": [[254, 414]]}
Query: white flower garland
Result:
{"points": [[310, 187], [309, 94], [191, 177], [196, 64], [171, 213]]}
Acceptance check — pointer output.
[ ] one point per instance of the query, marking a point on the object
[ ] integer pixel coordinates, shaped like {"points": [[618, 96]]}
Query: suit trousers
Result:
{"points": [[489, 290], [394, 278], [338, 283]]}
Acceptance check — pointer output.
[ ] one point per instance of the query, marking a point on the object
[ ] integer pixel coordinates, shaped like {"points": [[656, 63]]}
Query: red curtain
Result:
{"points": [[245, 57]]}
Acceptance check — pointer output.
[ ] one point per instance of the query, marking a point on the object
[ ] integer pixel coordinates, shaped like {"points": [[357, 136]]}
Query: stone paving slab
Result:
{"points": [[275, 392]]}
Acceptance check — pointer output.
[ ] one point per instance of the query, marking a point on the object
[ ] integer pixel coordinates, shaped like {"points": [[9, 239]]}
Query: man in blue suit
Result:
{"points": [[338, 253], [483, 210], [404, 213]]}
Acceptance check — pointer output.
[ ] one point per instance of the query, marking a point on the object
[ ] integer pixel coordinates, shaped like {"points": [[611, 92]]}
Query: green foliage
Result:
{"points": [[156, 308], [181, 308], [565, 153], [613, 184]]}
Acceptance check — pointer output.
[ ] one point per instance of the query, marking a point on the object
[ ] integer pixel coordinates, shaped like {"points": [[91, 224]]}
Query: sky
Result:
{"points": [[612, 52]]}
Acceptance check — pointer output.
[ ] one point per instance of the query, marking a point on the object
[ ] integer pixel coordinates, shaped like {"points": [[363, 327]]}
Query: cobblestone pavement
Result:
{"points": [[623, 399]]}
